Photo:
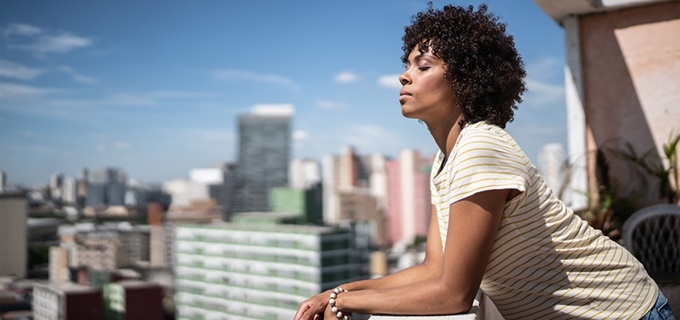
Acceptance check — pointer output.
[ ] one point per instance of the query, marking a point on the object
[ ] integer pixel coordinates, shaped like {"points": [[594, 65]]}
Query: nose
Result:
{"points": [[404, 79]]}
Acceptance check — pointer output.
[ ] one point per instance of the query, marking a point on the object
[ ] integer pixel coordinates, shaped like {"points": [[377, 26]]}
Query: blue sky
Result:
{"points": [[155, 87]]}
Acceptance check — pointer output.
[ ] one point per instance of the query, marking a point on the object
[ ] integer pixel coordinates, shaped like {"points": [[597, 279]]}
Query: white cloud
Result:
{"points": [[346, 77], [59, 43], [144, 99], [326, 104], [41, 41], [544, 84], [389, 81], [12, 89], [22, 29], [77, 77], [545, 68], [543, 95], [300, 135], [282, 109], [239, 75], [14, 70], [85, 79]]}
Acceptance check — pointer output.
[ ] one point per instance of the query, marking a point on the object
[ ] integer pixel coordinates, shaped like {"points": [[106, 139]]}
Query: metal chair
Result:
{"points": [[652, 234]]}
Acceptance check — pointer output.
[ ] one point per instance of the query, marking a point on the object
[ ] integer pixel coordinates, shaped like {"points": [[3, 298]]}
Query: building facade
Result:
{"points": [[251, 271], [355, 187], [263, 157], [66, 301], [621, 83], [408, 202], [13, 236], [133, 300], [106, 187]]}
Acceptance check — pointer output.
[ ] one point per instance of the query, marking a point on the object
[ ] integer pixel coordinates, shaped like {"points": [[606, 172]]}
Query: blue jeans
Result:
{"points": [[660, 311]]}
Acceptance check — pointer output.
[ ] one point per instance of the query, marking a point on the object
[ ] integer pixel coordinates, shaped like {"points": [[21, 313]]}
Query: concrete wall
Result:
{"points": [[630, 63], [13, 236]]}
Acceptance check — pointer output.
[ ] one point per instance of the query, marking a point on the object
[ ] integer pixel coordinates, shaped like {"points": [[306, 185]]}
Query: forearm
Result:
{"points": [[416, 273], [428, 297]]}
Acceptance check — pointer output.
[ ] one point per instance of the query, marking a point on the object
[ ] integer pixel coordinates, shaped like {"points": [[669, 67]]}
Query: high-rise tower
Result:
{"points": [[263, 156]]}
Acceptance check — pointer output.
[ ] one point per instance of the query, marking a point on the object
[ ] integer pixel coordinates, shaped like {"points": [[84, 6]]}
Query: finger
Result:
{"points": [[299, 314]]}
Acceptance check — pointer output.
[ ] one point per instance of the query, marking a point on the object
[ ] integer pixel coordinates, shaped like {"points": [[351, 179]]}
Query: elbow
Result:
{"points": [[455, 300]]}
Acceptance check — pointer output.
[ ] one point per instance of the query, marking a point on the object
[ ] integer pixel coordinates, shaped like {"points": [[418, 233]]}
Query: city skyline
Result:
{"points": [[78, 88]]}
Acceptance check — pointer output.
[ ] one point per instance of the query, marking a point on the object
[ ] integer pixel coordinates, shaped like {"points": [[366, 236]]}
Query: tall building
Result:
{"points": [[56, 185], [550, 165], [133, 300], [3, 181], [219, 182], [304, 173], [408, 203], [355, 188], [70, 191], [13, 236], [58, 265], [67, 301], [106, 187], [263, 157], [258, 271]]}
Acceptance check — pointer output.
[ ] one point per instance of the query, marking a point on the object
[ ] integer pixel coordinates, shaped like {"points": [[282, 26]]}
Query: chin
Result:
{"points": [[407, 113]]}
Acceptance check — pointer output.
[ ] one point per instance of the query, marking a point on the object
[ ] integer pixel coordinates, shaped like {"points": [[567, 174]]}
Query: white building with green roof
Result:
{"points": [[259, 271]]}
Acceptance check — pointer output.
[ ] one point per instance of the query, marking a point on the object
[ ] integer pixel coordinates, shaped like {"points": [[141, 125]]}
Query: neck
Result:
{"points": [[446, 133]]}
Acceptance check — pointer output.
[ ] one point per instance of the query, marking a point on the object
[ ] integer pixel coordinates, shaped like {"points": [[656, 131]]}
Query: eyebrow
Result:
{"points": [[420, 57]]}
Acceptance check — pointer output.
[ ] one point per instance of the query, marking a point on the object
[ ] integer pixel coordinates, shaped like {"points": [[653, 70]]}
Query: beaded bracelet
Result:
{"points": [[331, 302]]}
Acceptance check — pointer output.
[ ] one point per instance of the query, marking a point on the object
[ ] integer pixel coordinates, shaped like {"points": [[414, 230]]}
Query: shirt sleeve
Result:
{"points": [[487, 159]]}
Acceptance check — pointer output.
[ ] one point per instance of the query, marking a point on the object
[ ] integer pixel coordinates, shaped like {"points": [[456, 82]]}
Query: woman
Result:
{"points": [[500, 227]]}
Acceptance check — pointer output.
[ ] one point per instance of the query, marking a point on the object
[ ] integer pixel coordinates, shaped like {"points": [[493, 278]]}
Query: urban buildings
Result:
{"points": [[243, 270], [206, 190], [70, 191], [56, 186], [3, 181], [408, 197], [13, 236], [355, 188], [67, 301], [106, 187], [133, 300], [263, 156], [304, 173]]}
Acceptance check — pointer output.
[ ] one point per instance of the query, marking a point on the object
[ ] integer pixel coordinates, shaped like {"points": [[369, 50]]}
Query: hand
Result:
{"points": [[328, 314], [314, 307]]}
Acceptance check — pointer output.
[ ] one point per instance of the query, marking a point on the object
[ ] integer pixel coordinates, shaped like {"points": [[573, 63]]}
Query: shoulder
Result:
{"points": [[483, 138]]}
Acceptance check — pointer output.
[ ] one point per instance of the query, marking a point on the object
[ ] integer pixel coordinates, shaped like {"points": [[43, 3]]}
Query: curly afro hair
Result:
{"points": [[480, 59]]}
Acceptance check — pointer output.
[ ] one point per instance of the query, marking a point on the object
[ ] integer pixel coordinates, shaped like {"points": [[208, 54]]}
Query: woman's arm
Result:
{"points": [[430, 268], [473, 225]]}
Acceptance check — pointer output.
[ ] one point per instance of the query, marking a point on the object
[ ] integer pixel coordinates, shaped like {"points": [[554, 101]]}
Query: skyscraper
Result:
{"points": [[263, 156], [408, 203], [3, 180], [106, 186]]}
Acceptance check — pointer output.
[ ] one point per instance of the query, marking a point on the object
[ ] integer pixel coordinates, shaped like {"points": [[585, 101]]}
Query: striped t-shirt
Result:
{"points": [[546, 262]]}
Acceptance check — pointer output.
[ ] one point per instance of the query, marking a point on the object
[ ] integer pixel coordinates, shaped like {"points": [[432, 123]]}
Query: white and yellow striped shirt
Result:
{"points": [[546, 262]]}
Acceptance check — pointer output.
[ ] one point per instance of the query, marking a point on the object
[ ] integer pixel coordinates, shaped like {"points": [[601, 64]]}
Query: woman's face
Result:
{"points": [[426, 95]]}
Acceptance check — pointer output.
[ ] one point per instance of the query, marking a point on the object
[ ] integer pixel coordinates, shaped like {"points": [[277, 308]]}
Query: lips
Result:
{"points": [[403, 94]]}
